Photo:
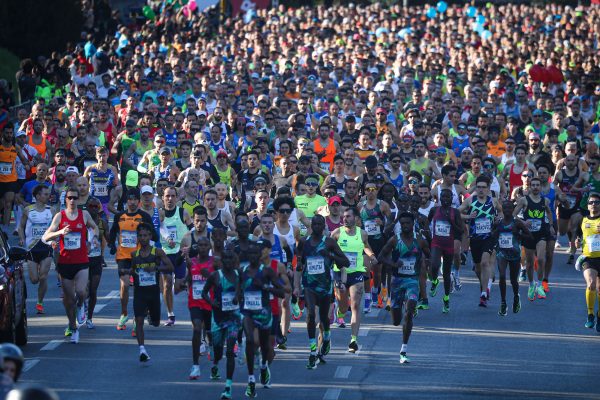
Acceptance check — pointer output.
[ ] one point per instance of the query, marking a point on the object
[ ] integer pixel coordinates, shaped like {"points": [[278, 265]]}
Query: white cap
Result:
{"points": [[146, 189], [20, 133], [73, 169]]}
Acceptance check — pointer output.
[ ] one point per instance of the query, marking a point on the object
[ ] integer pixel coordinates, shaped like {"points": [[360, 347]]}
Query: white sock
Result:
{"points": [[170, 314], [142, 349], [484, 294], [403, 348], [490, 283], [250, 378]]}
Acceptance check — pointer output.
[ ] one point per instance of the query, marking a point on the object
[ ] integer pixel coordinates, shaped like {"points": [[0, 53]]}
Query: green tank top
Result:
{"points": [[353, 247], [410, 257], [174, 228], [225, 176], [420, 167], [126, 142], [140, 149], [470, 178], [316, 272], [594, 186]]}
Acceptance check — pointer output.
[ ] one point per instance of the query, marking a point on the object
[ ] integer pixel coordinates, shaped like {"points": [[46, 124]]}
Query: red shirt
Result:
{"points": [[199, 273], [73, 246], [275, 309]]}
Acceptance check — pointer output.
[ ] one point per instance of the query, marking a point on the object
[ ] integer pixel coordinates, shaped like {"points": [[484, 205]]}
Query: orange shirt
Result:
{"points": [[497, 150], [8, 172]]}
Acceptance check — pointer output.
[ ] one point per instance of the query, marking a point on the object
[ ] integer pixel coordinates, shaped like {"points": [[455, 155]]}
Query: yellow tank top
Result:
{"points": [[591, 237], [225, 176]]}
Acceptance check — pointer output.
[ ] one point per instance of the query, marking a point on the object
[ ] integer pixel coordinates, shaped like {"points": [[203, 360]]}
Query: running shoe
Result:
{"points": [[488, 294], [434, 287], [404, 359], [539, 290], [545, 286], [571, 259], [367, 305], [81, 315], [531, 293], [214, 373], [251, 390], [388, 304], [195, 372], [170, 321], [144, 357], [312, 362], [446, 306], [90, 324], [457, 284], [482, 301], [69, 332], [463, 258], [379, 300], [226, 393], [321, 359], [296, 312], [523, 275], [265, 376], [341, 323], [503, 308], [452, 288], [590, 321], [353, 347], [75, 336], [516, 304], [283, 343], [39, 308], [122, 322], [423, 304], [325, 347], [203, 348]]}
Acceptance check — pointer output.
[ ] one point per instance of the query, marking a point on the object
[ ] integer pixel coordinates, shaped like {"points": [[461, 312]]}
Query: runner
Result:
{"points": [[568, 210], [446, 226], [258, 282], [589, 261], [146, 262], [102, 177], [70, 226], [8, 173], [481, 210], [124, 228], [226, 322], [535, 208], [354, 242], [406, 261], [96, 255], [317, 253], [509, 232]]}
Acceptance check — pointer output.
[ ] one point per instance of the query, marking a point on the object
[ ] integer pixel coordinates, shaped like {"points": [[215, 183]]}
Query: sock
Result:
{"points": [[590, 301], [228, 383], [353, 338], [170, 314], [403, 348], [489, 283], [327, 335], [484, 294], [446, 298], [313, 345], [339, 315], [457, 273], [251, 379], [142, 349]]}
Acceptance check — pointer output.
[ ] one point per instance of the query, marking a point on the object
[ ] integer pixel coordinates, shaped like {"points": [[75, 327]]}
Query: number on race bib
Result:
{"points": [[227, 302], [352, 256], [483, 226], [408, 266], [146, 278], [38, 230], [593, 242], [101, 189], [315, 265], [72, 240], [372, 228], [442, 228], [172, 232], [253, 301], [506, 240], [5, 168], [197, 288]]}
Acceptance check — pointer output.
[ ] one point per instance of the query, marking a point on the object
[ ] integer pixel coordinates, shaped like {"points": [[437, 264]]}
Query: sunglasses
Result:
{"points": [[413, 181], [285, 210], [72, 197], [159, 141], [312, 184], [481, 187], [594, 202], [329, 194], [488, 166], [371, 189]]}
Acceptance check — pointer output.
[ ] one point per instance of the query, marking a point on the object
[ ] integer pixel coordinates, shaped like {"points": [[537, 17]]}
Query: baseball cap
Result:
{"points": [[538, 112], [72, 169], [20, 133], [131, 179], [164, 150], [221, 153], [534, 135], [264, 243], [371, 162], [147, 189], [467, 150], [334, 199], [260, 179]]}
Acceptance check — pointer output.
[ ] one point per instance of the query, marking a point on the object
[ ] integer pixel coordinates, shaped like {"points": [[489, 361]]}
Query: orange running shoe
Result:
{"points": [[545, 286], [39, 307]]}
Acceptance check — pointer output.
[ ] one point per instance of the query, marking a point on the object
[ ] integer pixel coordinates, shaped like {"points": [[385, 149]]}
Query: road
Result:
{"points": [[544, 352]]}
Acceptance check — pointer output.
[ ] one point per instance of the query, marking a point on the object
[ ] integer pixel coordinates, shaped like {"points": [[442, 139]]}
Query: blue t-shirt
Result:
{"points": [[27, 190]]}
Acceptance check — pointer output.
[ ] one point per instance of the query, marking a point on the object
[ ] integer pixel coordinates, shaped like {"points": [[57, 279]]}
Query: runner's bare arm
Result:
{"points": [[52, 232]]}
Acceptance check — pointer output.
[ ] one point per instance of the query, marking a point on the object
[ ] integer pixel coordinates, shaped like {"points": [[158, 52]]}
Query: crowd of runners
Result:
{"points": [[312, 163]]}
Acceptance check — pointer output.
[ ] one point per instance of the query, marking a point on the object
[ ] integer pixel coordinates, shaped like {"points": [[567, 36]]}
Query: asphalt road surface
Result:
{"points": [[544, 352]]}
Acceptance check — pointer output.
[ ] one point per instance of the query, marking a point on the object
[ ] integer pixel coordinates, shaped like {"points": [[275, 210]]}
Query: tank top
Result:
{"points": [[101, 183], [277, 252], [216, 222], [566, 184], [368, 216], [353, 248], [398, 182], [536, 213], [455, 196], [594, 186], [509, 246], [441, 229], [225, 176], [72, 245], [275, 309], [170, 138], [332, 226], [8, 170], [316, 271], [591, 239], [37, 223], [140, 149], [289, 237], [195, 299], [420, 167], [172, 228], [190, 207], [141, 279], [515, 180], [551, 196], [330, 152], [425, 211], [256, 300], [127, 241], [411, 259], [480, 227], [459, 145], [339, 186], [41, 148], [126, 143], [158, 174], [225, 290]]}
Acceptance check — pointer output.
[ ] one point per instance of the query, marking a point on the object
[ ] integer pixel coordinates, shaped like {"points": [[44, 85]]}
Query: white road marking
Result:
{"points": [[332, 394], [53, 344], [99, 308], [342, 372], [30, 364], [363, 331], [114, 294]]}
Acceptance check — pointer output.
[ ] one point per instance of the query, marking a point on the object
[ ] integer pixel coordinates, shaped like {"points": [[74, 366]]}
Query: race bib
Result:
{"points": [[253, 301], [172, 232], [352, 256], [101, 189], [129, 239], [483, 226], [227, 302], [95, 251], [372, 228], [536, 225], [38, 230], [341, 193], [442, 228], [324, 166], [593, 243], [572, 201], [146, 278], [506, 240], [197, 288], [72, 240], [5, 168], [408, 266], [315, 265]]}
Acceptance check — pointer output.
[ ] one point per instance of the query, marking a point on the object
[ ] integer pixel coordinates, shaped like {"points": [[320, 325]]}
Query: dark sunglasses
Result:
{"points": [[73, 197], [285, 210]]}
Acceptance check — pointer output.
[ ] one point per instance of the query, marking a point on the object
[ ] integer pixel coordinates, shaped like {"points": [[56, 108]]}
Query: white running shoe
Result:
{"points": [[75, 336], [89, 324], [81, 317], [195, 372], [203, 348]]}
